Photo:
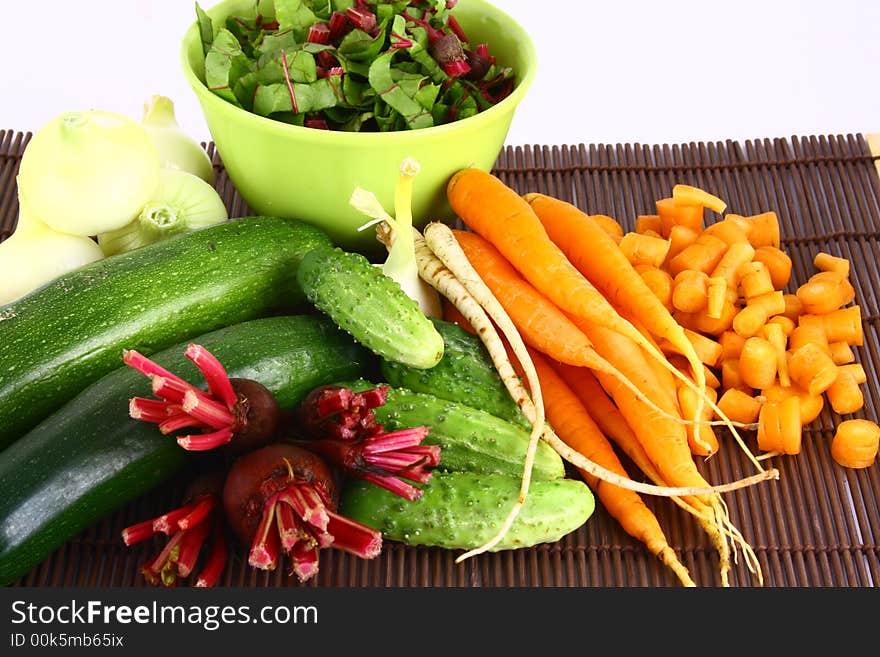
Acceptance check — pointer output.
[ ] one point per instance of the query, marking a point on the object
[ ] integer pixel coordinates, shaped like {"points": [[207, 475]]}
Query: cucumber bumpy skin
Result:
{"points": [[471, 439], [369, 305], [464, 510], [465, 374]]}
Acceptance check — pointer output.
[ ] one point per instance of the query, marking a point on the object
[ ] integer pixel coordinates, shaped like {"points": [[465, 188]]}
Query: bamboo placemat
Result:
{"points": [[817, 526]]}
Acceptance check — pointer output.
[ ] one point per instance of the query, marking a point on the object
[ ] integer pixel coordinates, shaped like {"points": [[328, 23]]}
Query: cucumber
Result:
{"points": [[470, 439], [464, 510], [62, 337], [88, 458], [370, 305], [465, 374]]}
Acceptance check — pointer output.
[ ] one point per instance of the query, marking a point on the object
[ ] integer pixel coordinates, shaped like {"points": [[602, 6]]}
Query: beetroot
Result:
{"points": [[188, 528], [283, 498], [239, 409], [342, 427]]}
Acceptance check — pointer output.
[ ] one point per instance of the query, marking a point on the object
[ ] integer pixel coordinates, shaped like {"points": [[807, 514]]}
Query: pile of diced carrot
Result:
{"points": [[773, 358]]}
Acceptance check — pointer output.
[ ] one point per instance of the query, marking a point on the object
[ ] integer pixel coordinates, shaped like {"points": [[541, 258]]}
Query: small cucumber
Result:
{"points": [[370, 305], [463, 510], [471, 439], [465, 374]]}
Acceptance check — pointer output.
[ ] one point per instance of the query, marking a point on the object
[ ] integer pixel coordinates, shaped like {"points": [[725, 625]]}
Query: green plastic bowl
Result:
{"points": [[291, 171]]}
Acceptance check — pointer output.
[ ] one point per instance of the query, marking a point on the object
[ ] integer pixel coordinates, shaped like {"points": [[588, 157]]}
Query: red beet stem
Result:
{"points": [[149, 410], [206, 410], [453, 25], [265, 548], [164, 557], [144, 365], [339, 25], [395, 440], [354, 537], [215, 563], [180, 420], [307, 504], [190, 546], [363, 19], [456, 69], [288, 527], [169, 389], [399, 42], [138, 533], [167, 522], [204, 506], [319, 33], [201, 442], [394, 484], [305, 560], [214, 373]]}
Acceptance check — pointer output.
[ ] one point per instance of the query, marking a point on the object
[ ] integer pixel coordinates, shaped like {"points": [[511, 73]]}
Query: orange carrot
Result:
{"points": [[609, 225], [740, 406], [779, 426], [689, 195], [672, 213], [855, 443], [603, 264], [826, 262], [811, 368], [646, 222], [574, 425], [541, 324], [778, 263], [641, 248]]}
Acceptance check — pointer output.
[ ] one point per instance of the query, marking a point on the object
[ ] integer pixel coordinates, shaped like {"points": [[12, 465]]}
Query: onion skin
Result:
{"points": [[88, 172]]}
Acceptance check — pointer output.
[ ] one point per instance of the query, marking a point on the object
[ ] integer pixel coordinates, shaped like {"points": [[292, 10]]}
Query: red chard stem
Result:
{"points": [[149, 410], [201, 442], [203, 508], [453, 25], [265, 548], [215, 563], [394, 484], [167, 522], [138, 533], [190, 546], [214, 373], [354, 537], [206, 410], [144, 365]]}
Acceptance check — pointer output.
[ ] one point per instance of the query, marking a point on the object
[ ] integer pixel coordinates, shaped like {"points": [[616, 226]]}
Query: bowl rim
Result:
{"points": [[508, 104]]}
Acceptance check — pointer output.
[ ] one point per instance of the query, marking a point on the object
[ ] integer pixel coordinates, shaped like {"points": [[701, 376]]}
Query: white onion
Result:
{"points": [[88, 172]]}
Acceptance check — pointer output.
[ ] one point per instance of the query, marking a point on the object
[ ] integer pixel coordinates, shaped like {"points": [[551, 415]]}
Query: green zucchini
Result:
{"points": [[471, 439], [464, 510], [370, 305], [465, 374], [89, 457], [62, 337]]}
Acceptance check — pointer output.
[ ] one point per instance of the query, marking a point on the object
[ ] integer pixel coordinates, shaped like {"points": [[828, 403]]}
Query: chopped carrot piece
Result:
{"points": [[825, 292], [811, 405], [754, 279], [778, 263], [779, 426], [765, 230], [757, 363], [689, 195], [811, 368], [845, 394], [827, 262], [690, 290], [855, 443], [679, 214], [740, 406], [646, 222], [644, 249]]}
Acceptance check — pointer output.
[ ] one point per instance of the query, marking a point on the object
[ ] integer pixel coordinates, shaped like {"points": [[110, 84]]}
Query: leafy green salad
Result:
{"points": [[352, 65]]}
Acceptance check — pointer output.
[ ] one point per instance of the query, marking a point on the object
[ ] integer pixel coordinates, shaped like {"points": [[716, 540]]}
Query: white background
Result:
{"points": [[610, 71]]}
